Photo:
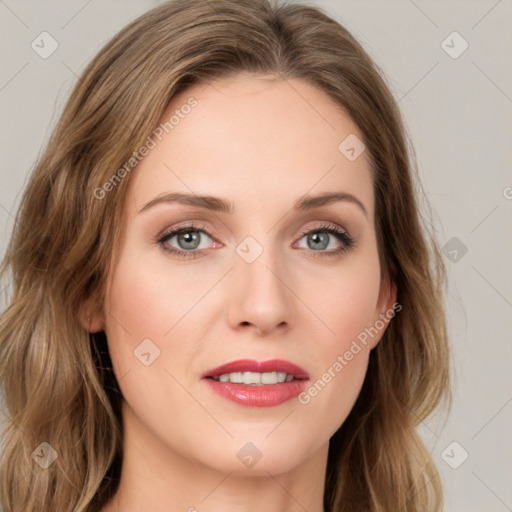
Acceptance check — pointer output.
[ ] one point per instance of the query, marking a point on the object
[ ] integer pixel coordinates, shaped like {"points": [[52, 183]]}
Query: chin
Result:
{"points": [[257, 456], [268, 464]]}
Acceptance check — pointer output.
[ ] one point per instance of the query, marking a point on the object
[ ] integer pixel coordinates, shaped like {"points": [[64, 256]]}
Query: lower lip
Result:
{"points": [[266, 395]]}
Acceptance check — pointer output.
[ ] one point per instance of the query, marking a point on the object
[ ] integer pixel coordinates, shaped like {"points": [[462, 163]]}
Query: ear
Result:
{"points": [[91, 319], [384, 311]]}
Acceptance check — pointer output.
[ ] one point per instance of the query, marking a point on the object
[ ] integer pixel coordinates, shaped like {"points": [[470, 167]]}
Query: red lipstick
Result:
{"points": [[250, 365], [253, 395]]}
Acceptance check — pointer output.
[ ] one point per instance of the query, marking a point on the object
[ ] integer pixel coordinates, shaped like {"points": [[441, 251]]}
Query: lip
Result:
{"points": [[250, 365], [267, 395]]}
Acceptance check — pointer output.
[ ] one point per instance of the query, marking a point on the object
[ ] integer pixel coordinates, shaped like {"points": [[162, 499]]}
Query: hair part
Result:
{"points": [[56, 378]]}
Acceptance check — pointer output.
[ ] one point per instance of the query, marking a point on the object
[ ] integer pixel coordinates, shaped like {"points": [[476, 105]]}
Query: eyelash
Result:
{"points": [[346, 240]]}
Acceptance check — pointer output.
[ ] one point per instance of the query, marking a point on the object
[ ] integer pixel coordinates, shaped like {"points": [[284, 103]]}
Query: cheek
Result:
{"points": [[148, 300], [139, 312], [345, 300], [151, 310], [147, 311], [346, 304]]}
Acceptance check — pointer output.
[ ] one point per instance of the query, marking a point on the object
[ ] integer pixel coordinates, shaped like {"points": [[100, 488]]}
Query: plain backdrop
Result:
{"points": [[449, 65]]}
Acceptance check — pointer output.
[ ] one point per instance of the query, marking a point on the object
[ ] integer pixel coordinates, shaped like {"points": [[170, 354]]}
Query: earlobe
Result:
{"points": [[385, 309], [91, 322]]}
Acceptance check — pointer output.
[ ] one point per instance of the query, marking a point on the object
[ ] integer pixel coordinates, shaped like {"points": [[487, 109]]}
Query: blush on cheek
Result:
{"points": [[142, 302], [356, 308]]}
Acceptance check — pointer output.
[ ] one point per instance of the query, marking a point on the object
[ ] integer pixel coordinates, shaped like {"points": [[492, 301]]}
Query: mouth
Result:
{"points": [[256, 373], [258, 384], [255, 378]]}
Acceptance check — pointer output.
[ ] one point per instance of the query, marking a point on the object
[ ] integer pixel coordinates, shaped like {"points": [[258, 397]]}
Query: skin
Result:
{"points": [[261, 143]]}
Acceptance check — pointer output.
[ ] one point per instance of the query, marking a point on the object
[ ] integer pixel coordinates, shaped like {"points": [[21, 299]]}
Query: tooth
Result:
{"points": [[255, 378], [236, 377], [269, 378], [252, 378]]}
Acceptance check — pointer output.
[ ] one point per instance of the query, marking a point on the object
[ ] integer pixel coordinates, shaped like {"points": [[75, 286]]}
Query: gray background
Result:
{"points": [[458, 112]]}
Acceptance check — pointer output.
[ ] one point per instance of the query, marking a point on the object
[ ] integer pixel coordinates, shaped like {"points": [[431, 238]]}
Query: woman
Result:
{"points": [[223, 294]]}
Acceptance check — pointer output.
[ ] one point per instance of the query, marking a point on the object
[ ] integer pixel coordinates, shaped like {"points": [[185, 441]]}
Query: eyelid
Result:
{"points": [[191, 224], [211, 232]]}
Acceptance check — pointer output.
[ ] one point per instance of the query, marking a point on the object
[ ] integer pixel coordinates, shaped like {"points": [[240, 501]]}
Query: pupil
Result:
{"points": [[190, 238], [315, 238]]}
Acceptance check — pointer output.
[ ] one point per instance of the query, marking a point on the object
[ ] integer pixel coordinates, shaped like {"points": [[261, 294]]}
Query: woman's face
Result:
{"points": [[246, 284]]}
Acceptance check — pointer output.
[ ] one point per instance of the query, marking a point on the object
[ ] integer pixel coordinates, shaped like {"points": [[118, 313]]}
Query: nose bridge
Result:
{"points": [[261, 292]]}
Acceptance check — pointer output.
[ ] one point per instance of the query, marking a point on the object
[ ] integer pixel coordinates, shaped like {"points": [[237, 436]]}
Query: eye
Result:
{"points": [[320, 238], [189, 238]]}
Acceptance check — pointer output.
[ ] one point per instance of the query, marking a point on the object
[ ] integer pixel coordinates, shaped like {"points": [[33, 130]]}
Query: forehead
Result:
{"points": [[258, 141]]}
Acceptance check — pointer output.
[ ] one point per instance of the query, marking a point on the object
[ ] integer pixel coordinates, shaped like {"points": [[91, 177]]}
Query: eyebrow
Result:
{"points": [[217, 204]]}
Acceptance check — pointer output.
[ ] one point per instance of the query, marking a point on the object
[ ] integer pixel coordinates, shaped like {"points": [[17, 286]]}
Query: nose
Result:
{"points": [[261, 297]]}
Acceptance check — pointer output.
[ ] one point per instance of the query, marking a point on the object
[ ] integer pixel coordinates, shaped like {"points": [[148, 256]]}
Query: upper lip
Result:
{"points": [[250, 365]]}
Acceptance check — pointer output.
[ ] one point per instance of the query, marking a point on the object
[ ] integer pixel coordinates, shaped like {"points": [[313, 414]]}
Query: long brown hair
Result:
{"points": [[54, 375]]}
